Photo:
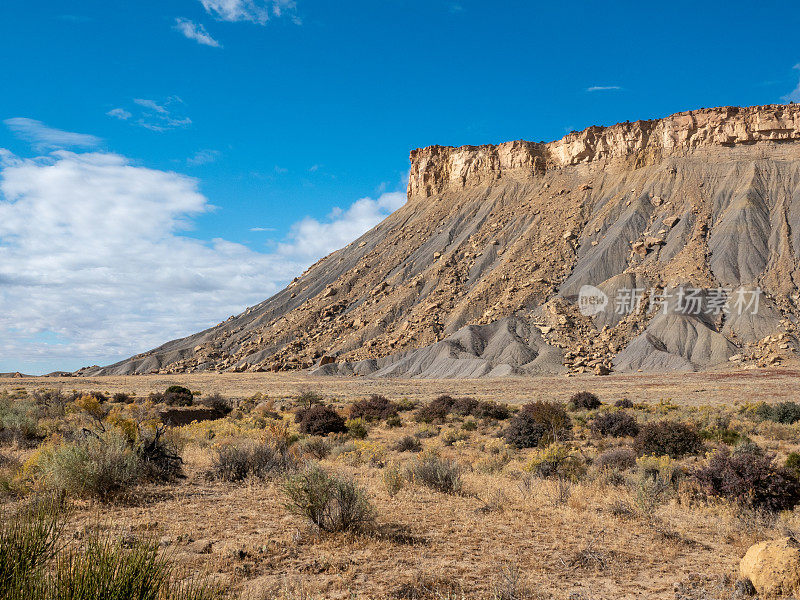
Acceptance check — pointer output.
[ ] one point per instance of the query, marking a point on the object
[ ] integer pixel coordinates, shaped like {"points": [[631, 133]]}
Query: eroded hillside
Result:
{"points": [[479, 272]]}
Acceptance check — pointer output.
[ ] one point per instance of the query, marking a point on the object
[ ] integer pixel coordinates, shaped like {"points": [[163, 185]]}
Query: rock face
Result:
{"points": [[481, 272], [773, 567]]}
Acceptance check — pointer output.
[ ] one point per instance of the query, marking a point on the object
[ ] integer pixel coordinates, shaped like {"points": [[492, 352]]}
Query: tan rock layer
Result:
{"points": [[438, 168]]}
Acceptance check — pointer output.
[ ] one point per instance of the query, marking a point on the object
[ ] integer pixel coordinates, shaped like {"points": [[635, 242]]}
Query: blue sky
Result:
{"points": [[249, 128]]}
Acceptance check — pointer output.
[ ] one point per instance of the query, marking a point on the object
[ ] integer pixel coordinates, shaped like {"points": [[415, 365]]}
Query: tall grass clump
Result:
{"points": [[36, 564], [28, 541]]}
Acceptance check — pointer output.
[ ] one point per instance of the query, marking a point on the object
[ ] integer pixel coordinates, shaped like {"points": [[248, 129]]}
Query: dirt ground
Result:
{"points": [[588, 542], [691, 389]]}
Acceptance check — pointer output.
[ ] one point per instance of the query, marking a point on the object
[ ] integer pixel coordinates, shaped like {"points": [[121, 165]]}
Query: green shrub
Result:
{"points": [[374, 408], [668, 438], [450, 436], [357, 428], [394, 422], [722, 435], [751, 479], [408, 443], [584, 401], [307, 399], [437, 473], [331, 502], [657, 480], [100, 466], [557, 461], [538, 423], [320, 420], [793, 462], [469, 425], [19, 423], [782, 412], [615, 424]]}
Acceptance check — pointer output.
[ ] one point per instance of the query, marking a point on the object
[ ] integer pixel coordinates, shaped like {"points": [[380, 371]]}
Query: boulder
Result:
{"points": [[773, 567]]}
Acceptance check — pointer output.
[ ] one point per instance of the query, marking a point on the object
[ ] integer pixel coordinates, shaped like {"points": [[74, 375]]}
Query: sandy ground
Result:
{"points": [[691, 389]]}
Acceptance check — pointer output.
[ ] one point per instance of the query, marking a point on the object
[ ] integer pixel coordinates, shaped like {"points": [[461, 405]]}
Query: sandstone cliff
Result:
{"points": [[478, 273]]}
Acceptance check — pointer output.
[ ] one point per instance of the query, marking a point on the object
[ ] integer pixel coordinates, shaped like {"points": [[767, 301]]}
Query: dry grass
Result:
{"points": [[508, 535]]}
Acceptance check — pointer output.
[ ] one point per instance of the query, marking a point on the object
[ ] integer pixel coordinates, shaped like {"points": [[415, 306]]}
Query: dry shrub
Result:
{"points": [[159, 456], [316, 447], [668, 438], [436, 473], [749, 478], [320, 420], [537, 423], [331, 502], [374, 408], [100, 466], [584, 401], [624, 403], [617, 459], [615, 424], [393, 479], [236, 462], [408, 443], [221, 404], [435, 410]]}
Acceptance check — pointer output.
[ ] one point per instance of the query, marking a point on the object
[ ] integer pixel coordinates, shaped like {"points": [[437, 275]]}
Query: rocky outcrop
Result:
{"points": [[438, 168], [707, 199]]}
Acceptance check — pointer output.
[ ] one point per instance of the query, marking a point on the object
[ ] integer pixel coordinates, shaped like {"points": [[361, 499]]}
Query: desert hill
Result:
{"points": [[480, 272]]}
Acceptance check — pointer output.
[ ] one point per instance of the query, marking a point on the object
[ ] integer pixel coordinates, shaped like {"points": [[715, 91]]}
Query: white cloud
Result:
{"points": [[195, 31], [42, 137], [311, 238], [794, 95], [254, 11], [119, 113], [603, 88], [95, 266], [153, 115], [204, 157]]}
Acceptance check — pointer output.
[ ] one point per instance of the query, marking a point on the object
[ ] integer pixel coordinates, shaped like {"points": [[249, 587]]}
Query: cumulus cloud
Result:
{"points": [[312, 238], [42, 137], [794, 95], [195, 31], [95, 263], [603, 88], [254, 11], [156, 116]]}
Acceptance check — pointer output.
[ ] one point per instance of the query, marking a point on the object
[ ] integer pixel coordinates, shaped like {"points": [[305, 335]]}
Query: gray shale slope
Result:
{"points": [[478, 274]]}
